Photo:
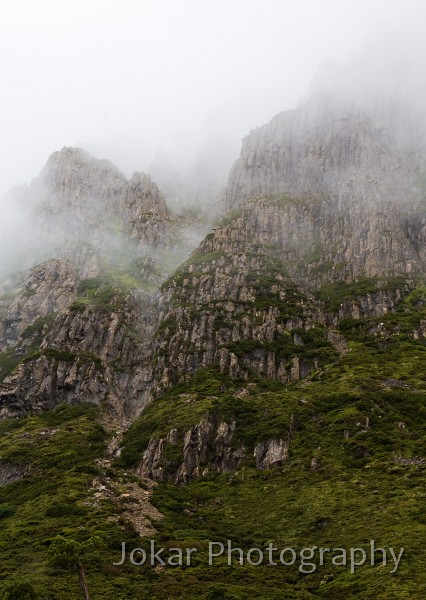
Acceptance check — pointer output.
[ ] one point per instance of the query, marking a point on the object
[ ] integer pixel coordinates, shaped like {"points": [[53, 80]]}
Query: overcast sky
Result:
{"points": [[126, 78]]}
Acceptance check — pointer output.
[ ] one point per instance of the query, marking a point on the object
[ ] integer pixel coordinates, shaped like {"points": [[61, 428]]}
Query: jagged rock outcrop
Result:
{"points": [[272, 453], [44, 382], [77, 326], [205, 446], [210, 445], [239, 311], [75, 190], [11, 472], [83, 210], [246, 301], [357, 179], [71, 348], [48, 289]]}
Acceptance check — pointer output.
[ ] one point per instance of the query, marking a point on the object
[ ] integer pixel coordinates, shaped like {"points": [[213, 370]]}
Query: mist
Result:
{"points": [[128, 80], [171, 88]]}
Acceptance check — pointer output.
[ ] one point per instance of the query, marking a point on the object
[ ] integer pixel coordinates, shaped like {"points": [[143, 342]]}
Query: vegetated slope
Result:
{"points": [[333, 460], [332, 456]]}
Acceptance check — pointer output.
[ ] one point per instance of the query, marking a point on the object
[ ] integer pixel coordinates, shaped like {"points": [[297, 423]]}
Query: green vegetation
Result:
{"points": [[110, 291], [34, 334], [19, 591], [58, 450], [103, 293], [362, 419], [8, 362], [334, 294], [416, 299], [192, 268], [231, 216], [68, 554], [65, 355], [313, 345], [355, 424], [38, 329]]}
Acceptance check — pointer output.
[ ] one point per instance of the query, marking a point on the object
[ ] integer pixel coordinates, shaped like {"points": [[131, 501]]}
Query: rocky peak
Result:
{"points": [[75, 182], [92, 194], [326, 145], [350, 179], [72, 179], [77, 325], [84, 210]]}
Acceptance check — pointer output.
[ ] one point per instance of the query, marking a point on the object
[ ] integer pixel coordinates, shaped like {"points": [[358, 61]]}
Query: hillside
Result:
{"points": [[267, 388]]}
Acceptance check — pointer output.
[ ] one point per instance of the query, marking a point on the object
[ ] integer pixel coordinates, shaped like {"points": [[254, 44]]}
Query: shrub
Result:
{"points": [[6, 511], [19, 591]]}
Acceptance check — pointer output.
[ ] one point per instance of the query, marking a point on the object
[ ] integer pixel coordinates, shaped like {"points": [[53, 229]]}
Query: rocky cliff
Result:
{"points": [[325, 225], [76, 327], [357, 173]]}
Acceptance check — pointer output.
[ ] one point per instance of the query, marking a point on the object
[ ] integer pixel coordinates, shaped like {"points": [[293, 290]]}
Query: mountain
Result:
{"points": [[267, 388], [76, 324]]}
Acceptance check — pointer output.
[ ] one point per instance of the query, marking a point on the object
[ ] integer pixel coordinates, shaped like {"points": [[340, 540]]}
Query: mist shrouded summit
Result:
{"points": [[125, 81], [329, 192]]}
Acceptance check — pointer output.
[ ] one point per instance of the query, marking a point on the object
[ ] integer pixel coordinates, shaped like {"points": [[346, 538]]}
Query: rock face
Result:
{"points": [[236, 309], [273, 453], [76, 326], [330, 147], [77, 194], [48, 289], [358, 180], [10, 473], [206, 446], [247, 300], [85, 350]]}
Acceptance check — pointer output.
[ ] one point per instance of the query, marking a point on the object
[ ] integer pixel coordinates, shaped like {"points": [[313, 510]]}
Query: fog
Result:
{"points": [[128, 80], [171, 88]]}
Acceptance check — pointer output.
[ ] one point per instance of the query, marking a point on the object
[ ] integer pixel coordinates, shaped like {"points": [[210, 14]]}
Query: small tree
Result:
{"points": [[219, 592], [19, 591], [66, 553]]}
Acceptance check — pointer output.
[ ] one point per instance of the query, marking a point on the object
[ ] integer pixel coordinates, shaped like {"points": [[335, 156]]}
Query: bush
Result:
{"points": [[19, 591], [6, 511], [64, 509], [218, 592]]}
